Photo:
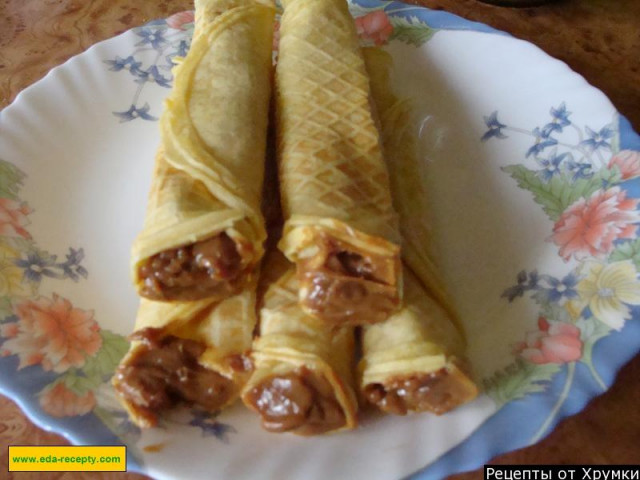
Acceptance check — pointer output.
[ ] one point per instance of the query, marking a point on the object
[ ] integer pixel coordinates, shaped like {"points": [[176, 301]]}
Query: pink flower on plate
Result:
{"points": [[551, 343], [375, 27], [53, 333], [60, 401], [590, 226], [180, 20], [13, 218], [628, 161]]}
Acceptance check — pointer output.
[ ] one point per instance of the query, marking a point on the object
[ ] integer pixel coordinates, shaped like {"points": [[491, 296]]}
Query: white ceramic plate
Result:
{"points": [[533, 178]]}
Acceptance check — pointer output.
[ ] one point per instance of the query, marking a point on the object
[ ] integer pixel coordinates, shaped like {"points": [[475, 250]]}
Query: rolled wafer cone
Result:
{"points": [[334, 183], [302, 380], [415, 361], [191, 352], [210, 164], [399, 130]]}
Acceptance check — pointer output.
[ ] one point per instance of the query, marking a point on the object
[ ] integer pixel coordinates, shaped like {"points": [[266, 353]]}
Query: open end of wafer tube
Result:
{"points": [[436, 392], [344, 285], [213, 267], [299, 401], [162, 372]]}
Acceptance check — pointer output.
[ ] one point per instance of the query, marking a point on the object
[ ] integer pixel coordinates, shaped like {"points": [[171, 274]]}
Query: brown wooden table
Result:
{"points": [[599, 39]]}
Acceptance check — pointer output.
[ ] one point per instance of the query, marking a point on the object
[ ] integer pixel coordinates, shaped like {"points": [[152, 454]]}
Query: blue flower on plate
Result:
{"points": [[579, 169], [135, 112], [525, 283], [495, 127], [128, 63], [153, 36], [551, 166], [560, 120], [167, 44], [153, 75], [72, 268], [558, 290], [561, 115], [598, 139], [210, 426], [182, 49], [38, 264], [543, 141]]}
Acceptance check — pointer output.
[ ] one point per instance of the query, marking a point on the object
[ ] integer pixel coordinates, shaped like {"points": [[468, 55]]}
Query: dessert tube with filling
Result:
{"points": [[340, 227], [399, 130], [302, 379], [195, 353], [203, 232], [415, 360]]}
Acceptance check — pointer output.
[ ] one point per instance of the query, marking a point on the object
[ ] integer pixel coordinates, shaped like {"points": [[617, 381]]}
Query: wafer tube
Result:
{"points": [[399, 130], [203, 232], [340, 226], [416, 360], [302, 381], [193, 353]]}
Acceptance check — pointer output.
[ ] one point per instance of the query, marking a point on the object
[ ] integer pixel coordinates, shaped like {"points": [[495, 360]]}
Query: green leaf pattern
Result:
{"points": [[410, 30], [627, 251], [518, 380], [561, 191], [11, 179]]}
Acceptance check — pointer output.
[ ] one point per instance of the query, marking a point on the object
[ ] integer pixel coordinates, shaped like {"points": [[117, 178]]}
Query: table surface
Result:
{"points": [[600, 39]]}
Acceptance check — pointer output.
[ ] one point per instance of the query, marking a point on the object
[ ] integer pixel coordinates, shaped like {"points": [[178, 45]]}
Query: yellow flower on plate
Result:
{"points": [[608, 289], [574, 307], [12, 282], [7, 252]]}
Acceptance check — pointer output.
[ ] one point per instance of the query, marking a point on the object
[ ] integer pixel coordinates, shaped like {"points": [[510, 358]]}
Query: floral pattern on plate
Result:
{"points": [[48, 332], [166, 39], [73, 356], [576, 175], [170, 39]]}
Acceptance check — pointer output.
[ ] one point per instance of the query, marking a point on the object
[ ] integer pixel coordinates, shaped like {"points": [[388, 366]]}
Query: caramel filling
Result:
{"points": [[164, 371], [436, 392], [299, 401], [210, 267], [345, 287]]}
